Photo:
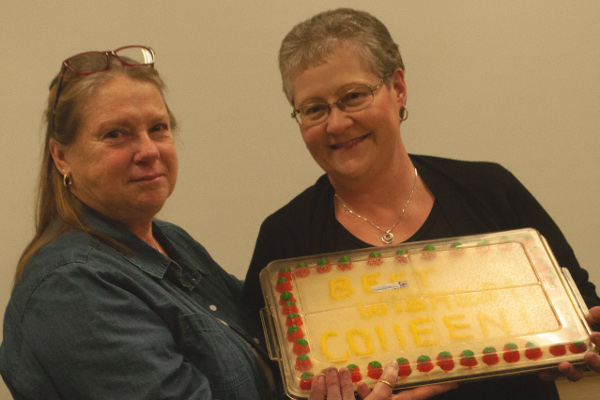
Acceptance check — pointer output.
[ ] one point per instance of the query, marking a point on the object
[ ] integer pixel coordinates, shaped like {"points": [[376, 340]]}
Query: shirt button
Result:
{"points": [[213, 307], [256, 341]]}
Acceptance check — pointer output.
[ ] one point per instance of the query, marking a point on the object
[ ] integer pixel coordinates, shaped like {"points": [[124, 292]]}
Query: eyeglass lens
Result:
{"points": [[90, 62], [354, 100]]}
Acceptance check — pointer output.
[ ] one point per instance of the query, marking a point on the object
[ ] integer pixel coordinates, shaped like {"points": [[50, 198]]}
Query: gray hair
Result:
{"points": [[309, 44]]}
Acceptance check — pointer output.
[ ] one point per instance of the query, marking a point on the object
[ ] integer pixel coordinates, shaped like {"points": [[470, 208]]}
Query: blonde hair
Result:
{"points": [[309, 44]]}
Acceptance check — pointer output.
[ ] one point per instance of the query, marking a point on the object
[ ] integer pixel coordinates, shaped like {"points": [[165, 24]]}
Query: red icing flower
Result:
{"points": [[558, 350], [424, 364], [577, 347], [294, 333], [293, 319], [323, 266], [402, 256], [489, 356], [286, 273], [306, 381], [532, 351], [428, 252], [511, 353], [374, 259], [300, 347], [354, 373], [303, 363], [374, 370], [289, 308], [445, 361], [467, 359], [344, 263], [301, 271], [283, 285], [404, 369], [456, 249], [285, 297]]}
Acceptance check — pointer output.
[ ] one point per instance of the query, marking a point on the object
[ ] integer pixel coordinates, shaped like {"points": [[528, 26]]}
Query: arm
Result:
{"points": [[95, 339]]}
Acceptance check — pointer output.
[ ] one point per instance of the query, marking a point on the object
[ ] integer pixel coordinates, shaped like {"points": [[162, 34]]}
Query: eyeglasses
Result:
{"points": [[91, 62], [356, 99]]}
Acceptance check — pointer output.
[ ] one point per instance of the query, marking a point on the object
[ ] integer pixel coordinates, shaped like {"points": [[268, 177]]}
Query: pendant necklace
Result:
{"points": [[388, 236]]}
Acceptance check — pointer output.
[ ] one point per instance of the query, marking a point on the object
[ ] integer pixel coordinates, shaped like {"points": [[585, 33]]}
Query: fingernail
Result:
{"points": [[331, 369], [321, 378], [394, 363]]}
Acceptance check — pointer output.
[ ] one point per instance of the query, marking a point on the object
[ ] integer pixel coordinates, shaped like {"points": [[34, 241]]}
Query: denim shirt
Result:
{"points": [[88, 321]]}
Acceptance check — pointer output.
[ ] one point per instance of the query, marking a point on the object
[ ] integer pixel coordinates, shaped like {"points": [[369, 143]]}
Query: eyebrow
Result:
{"points": [[341, 90]]}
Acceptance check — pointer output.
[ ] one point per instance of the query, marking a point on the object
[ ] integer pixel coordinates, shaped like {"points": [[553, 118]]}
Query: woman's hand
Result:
{"points": [[337, 385], [592, 360]]}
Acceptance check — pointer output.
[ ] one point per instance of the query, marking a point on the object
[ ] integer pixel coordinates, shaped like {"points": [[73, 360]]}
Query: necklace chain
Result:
{"points": [[388, 236]]}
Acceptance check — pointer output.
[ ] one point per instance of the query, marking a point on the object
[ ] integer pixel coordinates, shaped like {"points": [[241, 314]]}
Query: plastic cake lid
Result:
{"points": [[455, 309]]}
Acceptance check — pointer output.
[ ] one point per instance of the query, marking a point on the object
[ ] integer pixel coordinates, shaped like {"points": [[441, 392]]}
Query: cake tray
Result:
{"points": [[455, 309]]}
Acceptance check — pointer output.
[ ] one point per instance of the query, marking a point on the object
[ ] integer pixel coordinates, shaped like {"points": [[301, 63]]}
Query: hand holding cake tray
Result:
{"points": [[453, 309]]}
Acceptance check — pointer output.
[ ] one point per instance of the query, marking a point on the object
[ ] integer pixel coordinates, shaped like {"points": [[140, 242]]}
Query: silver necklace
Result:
{"points": [[155, 245], [388, 236]]}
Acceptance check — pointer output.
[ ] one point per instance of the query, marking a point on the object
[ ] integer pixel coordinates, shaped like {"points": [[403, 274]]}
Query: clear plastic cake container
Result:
{"points": [[462, 308]]}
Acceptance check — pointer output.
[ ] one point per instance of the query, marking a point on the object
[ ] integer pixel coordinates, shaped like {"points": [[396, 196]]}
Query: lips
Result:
{"points": [[146, 178], [349, 143]]}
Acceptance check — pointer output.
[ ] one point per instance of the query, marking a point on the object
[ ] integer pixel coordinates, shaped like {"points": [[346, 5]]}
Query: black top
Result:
{"points": [[471, 198]]}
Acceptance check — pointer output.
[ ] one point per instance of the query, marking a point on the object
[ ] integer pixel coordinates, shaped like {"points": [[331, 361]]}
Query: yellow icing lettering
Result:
{"points": [[369, 280], [372, 310], [414, 305], [397, 307], [451, 322], [381, 337], [445, 300], [399, 335], [368, 345], [422, 274], [500, 323], [418, 332], [466, 300], [324, 338], [398, 276], [340, 288]]}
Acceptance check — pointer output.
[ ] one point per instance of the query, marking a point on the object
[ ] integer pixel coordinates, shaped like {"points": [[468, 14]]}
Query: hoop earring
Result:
{"points": [[66, 180], [403, 114]]}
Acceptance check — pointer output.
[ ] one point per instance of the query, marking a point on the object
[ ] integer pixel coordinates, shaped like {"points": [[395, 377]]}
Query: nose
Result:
{"points": [[337, 120], [146, 149]]}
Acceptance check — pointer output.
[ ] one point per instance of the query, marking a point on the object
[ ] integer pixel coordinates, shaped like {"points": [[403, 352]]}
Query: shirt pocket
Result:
{"points": [[220, 355]]}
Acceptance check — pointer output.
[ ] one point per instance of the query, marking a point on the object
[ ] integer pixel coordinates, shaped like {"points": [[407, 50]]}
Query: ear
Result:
{"points": [[399, 87], [58, 155]]}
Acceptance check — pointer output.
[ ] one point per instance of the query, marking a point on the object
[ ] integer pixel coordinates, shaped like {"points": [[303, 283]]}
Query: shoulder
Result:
{"points": [[466, 176], [312, 198], [458, 167], [67, 266]]}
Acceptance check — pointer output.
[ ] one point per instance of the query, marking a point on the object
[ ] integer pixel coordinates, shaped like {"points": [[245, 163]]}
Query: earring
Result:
{"points": [[66, 180], [403, 114]]}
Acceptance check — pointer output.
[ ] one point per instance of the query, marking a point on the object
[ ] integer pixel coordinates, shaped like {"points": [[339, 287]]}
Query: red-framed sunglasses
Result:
{"points": [[91, 62]]}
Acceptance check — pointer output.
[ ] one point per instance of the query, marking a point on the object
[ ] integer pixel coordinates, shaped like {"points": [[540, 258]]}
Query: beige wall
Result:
{"points": [[515, 82]]}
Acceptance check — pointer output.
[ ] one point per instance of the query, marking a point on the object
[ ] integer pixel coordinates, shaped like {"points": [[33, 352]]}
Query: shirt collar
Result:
{"points": [[137, 252]]}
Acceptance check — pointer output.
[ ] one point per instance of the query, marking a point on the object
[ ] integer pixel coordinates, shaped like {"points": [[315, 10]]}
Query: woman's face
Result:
{"points": [[122, 162], [351, 145]]}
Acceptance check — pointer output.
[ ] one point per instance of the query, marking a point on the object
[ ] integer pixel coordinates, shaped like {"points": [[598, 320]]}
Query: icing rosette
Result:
{"points": [[306, 380], [404, 369], [374, 370], [355, 374], [344, 263], [424, 364], [323, 266], [467, 359], [402, 256]]}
